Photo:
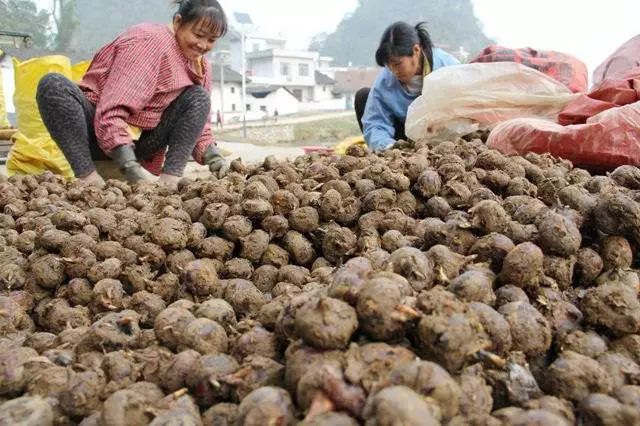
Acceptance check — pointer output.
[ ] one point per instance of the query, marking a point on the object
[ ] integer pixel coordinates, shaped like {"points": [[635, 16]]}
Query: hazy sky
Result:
{"points": [[576, 27], [572, 26]]}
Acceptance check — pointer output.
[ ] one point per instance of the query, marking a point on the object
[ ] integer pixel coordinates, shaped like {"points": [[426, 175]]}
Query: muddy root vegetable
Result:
{"points": [[573, 377], [116, 331], [205, 336], [451, 340], [326, 323], [614, 306], [382, 312], [414, 265], [299, 247], [530, 331], [399, 404], [522, 267], [265, 406], [201, 278]]}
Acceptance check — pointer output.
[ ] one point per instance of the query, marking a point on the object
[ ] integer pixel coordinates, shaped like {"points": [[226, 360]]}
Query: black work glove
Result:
{"points": [[216, 162], [125, 157], [404, 144]]}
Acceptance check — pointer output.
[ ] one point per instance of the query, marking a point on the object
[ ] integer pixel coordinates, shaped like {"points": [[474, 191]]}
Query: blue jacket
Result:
{"points": [[389, 101]]}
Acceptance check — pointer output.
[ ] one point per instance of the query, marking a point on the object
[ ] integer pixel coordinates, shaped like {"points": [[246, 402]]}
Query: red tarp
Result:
{"points": [[564, 68], [601, 130]]}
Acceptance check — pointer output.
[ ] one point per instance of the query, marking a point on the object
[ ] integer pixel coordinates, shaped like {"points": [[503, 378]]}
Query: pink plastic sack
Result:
{"points": [[620, 62], [564, 68]]}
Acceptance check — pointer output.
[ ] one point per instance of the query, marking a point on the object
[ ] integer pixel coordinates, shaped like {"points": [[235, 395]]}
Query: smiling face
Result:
{"points": [[405, 67], [195, 38]]}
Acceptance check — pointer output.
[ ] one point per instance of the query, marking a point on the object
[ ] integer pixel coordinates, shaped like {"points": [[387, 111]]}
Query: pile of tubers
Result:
{"points": [[425, 285]]}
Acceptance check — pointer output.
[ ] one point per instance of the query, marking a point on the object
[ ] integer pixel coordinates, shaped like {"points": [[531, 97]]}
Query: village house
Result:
{"points": [[230, 94], [349, 81], [270, 64]]}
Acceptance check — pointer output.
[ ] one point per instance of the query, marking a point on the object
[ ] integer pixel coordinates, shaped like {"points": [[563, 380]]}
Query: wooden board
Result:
{"points": [[5, 134]]}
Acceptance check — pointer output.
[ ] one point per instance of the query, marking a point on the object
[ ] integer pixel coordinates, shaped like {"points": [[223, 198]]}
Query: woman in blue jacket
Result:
{"points": [[407, 55]]}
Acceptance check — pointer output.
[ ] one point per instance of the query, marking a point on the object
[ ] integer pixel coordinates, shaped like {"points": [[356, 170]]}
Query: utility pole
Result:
{"points": [[222, 93], [245, 24], [221, 58], [244, 86]]}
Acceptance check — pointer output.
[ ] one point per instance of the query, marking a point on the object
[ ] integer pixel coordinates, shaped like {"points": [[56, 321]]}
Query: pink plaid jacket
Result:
{"points": [[133, 79]]}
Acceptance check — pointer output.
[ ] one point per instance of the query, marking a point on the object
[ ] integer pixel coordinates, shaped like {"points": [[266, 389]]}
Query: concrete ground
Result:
{"points": [[288, 119], [249, 153]]}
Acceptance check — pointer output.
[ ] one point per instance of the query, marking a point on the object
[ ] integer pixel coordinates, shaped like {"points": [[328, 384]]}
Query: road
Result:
{"points": [[289, 120]]}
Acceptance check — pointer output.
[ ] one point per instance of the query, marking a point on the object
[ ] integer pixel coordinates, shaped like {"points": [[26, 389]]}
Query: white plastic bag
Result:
{"points": [[461, 99]]}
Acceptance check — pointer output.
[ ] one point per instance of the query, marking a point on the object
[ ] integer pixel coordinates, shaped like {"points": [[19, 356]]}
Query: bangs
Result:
{"points": [[387, 51], [212, 20]]}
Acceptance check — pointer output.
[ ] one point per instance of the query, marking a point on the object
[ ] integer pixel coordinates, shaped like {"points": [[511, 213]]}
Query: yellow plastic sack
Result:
{"points": [[4, 120], [341, 148], [32, 156], [79, 70], [27, 76], [33, 150]]}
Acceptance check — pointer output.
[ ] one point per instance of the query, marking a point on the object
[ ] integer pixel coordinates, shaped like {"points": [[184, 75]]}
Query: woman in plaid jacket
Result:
{"points": [[144, 102]]}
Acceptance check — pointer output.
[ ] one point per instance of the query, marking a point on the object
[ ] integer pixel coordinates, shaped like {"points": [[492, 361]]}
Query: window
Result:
{"points": [[233, 107], [263, 108], [248, 107], [284, 68], [324, 88], [303, 70], [233, 90]]}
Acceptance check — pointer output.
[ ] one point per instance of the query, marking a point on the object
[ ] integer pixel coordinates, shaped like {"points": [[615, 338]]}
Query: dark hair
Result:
{"points": [[208, 10], [398, 40]]}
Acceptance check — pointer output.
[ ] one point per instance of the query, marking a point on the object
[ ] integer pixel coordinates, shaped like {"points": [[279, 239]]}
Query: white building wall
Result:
{"points": [[322, 93], [262, 68], [281, 100], [285, 102], [295, 78], [236, 56], [257, 44], [8, 83], [251, 44], [232, 97], [324, 100]]}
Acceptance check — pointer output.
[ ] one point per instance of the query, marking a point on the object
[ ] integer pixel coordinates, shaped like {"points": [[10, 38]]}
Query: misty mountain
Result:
{"points": [[452, 24]]}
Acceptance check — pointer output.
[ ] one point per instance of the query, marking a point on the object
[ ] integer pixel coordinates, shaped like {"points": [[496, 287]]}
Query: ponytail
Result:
{"points": [[425, 41], [398, 40]]}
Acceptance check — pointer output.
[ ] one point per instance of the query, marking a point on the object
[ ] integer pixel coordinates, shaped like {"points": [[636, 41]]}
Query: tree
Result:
{"points": [[23, 16], [102, 21], [452, 24], [63, 15], [318, 41]]}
